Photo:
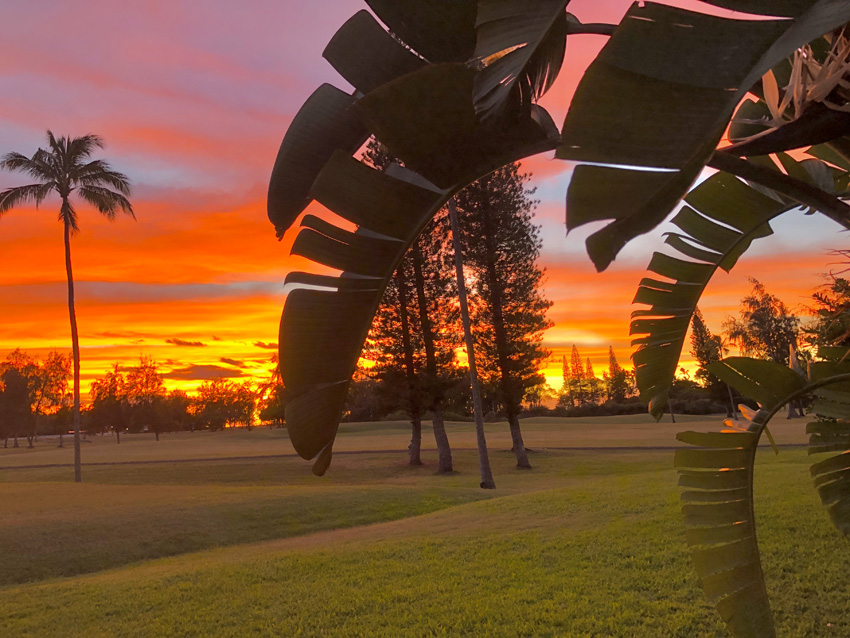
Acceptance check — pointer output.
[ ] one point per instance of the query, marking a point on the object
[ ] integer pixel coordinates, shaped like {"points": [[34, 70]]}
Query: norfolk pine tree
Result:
{"points": [[501, 249]]}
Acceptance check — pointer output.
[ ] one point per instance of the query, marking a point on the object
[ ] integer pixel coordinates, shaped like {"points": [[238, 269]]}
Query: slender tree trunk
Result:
{"points": [[414, 409], [415, 448], [157, 434], [487, 481], [117, 437], [444, 450], [16, 442], [731, 402], [61, 440], [75, 345], [511, 401]]}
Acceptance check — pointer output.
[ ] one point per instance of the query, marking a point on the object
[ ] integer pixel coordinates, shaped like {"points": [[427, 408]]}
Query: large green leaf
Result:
{"points": [[438, 30], [779, 8], [831, 434], [659, 97], [717, 480], [724, 217], [526, 41], [326, 321], [367, 56], [324, 124], [717, 505], [426, 119], [370, 198]]}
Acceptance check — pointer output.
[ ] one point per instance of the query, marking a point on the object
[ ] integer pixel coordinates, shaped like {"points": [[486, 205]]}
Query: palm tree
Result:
{"points": [[65, 168]]}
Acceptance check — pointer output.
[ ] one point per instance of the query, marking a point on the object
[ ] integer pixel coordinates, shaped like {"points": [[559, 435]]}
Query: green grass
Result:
{"points": [[586, 544], [539, 432]]}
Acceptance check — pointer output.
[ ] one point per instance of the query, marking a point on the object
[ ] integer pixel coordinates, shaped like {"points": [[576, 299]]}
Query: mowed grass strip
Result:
{"points": [[629, 430], [601, 555], [124, 514]]}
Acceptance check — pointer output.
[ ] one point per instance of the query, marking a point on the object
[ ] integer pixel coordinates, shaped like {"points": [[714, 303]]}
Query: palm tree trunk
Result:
{"points": [[75, 345], [487, 481]]}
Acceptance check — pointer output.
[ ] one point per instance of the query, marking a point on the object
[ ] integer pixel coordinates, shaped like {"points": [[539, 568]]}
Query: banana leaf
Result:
{"points": [[522, 45], [438, 30], [657, 100], [716, 477], [723, 218]]}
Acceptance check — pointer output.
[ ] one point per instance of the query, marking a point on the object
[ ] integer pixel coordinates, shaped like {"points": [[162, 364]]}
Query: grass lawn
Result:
{"points": [[636, 430], [589, 543]]}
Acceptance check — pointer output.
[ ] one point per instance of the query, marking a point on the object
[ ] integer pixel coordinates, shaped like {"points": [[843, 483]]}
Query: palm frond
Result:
{"points": [[19, 195], [107, 202], [68, 215], [100, 172], [79, 148], [58, 145], [34, 166]]}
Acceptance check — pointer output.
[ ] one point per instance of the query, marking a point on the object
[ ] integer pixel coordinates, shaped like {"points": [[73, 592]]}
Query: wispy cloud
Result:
{"points": [[183, 342], [203, 373]]}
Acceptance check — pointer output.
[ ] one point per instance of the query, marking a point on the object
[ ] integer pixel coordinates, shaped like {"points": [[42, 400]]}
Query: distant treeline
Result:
{"points": [[34, 400]]}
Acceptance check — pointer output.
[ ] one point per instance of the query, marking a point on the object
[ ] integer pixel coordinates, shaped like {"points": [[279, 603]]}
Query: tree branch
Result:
{"points": [[796, 189]]}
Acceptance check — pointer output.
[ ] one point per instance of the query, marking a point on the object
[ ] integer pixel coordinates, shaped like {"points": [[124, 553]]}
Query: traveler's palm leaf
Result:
{"points": [[717, 480], [657, 100]]}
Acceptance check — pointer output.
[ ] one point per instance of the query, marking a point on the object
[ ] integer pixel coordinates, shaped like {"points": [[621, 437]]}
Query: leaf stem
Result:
{"points": [[792, 187], [593, 28]]}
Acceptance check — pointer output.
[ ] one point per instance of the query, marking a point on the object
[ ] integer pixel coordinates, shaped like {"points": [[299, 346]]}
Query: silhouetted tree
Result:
{"points": [[46, 384], [765, 328], [109, 404], [222, 402], [593, 384], [64, 168], [14, 404], [501, 249], [831, 311], [144, 390], [577, 377], [707, 348], [415, 327], [617, 379]]}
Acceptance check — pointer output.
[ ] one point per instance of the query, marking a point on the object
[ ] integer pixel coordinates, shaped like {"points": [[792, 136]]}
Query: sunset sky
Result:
{"points": [[193, 98]]}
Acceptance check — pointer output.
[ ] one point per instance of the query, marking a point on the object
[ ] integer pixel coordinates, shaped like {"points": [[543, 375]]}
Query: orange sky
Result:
{"points": [[193, 99]]}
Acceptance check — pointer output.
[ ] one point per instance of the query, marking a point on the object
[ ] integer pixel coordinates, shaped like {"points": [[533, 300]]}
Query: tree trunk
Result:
{"points": [[16, 442], [75, 345], [487, 481], [414, 408], [117, 437], [511, 401], [444, 450], [61, 440], [415, 447], [157, 435]]}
